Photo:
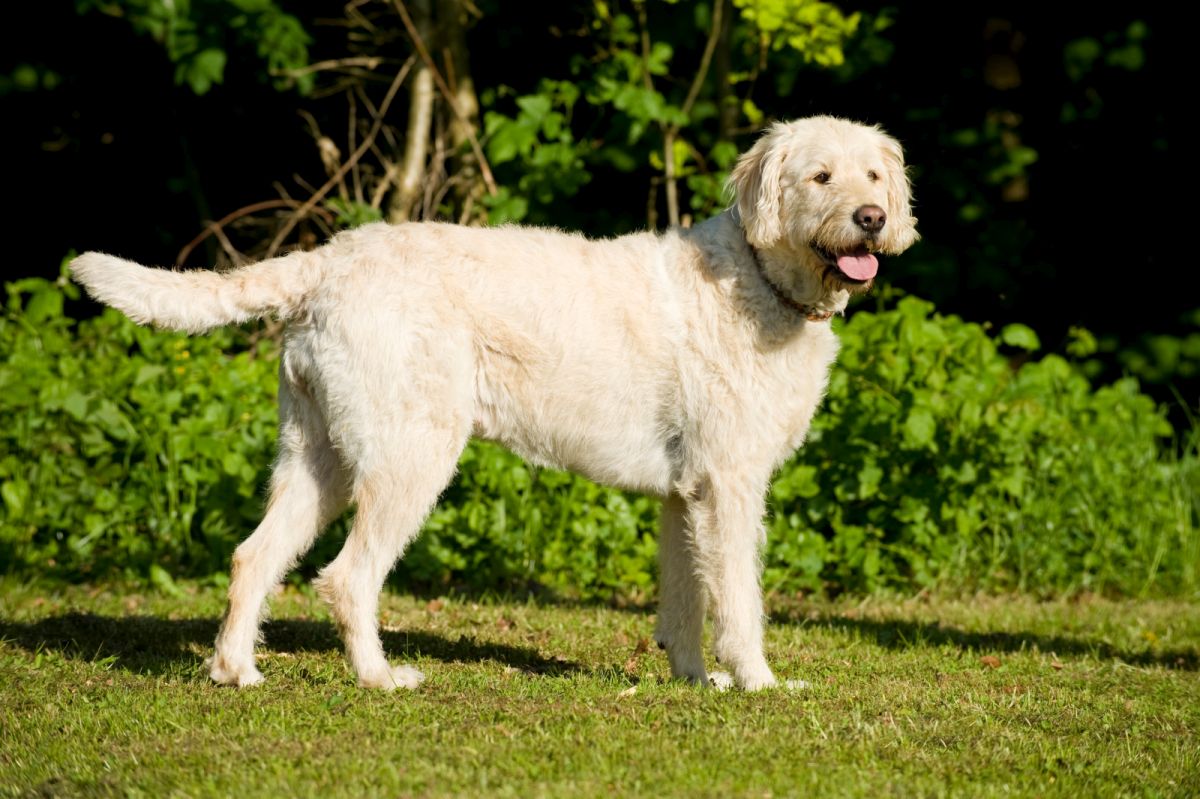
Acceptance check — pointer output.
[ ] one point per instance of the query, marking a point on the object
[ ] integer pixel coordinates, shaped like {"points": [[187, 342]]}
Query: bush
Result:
{"points": [[935, 462], [122, 448]]}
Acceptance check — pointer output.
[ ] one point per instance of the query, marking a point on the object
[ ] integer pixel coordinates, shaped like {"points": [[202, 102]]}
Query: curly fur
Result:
{"points": [[664, 363]]}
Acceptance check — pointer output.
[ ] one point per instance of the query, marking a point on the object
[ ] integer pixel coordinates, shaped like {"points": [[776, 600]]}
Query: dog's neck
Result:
{"points": [[796, 288], [810, 312]]}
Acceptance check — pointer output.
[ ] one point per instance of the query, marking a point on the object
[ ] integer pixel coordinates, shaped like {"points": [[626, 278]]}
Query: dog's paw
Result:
{"points": [[721, 680], [394, 677], [757, 683], [222, 672], [755, 677], [696, 675]]}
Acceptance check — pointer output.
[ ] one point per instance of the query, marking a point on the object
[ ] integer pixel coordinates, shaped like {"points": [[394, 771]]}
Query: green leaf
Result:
{"points": [[754, 114], [1021, 336], [919, 428], [1082, 343], [147, 372], [45, 304], [205, 68], [162, 580], [504, 207], [868, 479], [233, 463], [15, 494], [75, 405]]}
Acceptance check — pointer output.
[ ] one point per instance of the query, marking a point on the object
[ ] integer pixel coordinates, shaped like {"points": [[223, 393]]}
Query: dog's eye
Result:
{"points": [[872, 176], [821, 177]]}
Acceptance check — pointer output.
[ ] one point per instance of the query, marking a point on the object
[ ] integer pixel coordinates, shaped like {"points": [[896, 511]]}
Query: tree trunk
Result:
{"points": [[669, 177], [727, 109], [411, 185], [454, 17]]}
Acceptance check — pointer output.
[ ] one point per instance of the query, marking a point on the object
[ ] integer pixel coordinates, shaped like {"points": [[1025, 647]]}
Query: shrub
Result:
{"points": [[935, 462], [123, 448]]}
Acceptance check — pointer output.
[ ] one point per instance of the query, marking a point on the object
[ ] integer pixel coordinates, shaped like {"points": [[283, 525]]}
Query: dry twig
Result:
{"points": [[320, 193]]}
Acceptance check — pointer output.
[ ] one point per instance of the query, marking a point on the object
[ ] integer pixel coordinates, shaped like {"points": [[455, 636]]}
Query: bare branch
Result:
{"points": [[484, 170], [390, 173], [669, 175], [319, 195], [235, 257], [213, 227], [713, 35], [416, 139], [333, 65], [644, 27], [351, 129], [671, 132]]}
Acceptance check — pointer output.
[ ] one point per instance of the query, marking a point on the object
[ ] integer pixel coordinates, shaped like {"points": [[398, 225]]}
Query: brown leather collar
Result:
{"points": [[810, 313]]}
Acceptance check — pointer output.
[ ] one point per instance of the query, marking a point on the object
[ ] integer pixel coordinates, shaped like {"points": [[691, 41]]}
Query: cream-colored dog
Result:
{"points": [[686, 364]]}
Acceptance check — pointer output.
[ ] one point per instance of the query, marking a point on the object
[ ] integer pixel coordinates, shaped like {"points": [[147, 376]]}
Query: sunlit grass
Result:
{"points": [[103, 693]]}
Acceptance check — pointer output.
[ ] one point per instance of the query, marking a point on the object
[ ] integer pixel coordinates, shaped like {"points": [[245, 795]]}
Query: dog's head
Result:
{"points": [[829, 194]]}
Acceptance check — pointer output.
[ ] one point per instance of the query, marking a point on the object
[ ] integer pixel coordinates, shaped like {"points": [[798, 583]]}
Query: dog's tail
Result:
{"points": [[199, 299]]}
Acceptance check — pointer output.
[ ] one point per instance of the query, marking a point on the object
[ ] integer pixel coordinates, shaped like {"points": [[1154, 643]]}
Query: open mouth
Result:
{"points": [[856, 265]]}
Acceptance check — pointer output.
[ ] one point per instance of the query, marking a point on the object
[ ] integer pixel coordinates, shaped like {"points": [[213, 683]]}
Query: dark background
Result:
{"points": [[115, 156]]}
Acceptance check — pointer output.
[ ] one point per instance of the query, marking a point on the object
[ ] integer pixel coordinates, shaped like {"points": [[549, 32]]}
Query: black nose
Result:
{"points": [[870, 218]]}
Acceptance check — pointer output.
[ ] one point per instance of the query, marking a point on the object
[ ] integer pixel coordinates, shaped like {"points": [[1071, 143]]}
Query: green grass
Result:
{"points": [[103, 693]]}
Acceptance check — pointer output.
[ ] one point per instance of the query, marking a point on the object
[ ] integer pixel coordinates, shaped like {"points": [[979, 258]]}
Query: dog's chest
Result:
{"points": [[792, 383]]}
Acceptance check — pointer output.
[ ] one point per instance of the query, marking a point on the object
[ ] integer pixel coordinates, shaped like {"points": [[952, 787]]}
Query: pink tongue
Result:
{"points": [[858, 266]]}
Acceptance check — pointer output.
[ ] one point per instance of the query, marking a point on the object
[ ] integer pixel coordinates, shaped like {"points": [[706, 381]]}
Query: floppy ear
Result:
{"points": [[756, 189], [902, 223]]}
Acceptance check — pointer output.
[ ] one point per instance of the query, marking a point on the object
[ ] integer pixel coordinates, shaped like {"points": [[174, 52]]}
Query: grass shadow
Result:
{"points": [[892, 633], [153, 645]]}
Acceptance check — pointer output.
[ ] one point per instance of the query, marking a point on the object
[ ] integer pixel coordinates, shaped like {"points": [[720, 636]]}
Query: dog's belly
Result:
{"points": [[628, 463], [610, 431]]}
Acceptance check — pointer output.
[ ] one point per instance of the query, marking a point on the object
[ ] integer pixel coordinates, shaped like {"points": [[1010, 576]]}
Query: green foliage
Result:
{"points": [[934, 462], [1164, 359], [1161, 358], [818, 31], [198, 34], [622, 73], [633, 94], [708, 185], [29, 78], [1117, 49], [1021, 337], [534, 152], [351, 214], [504, 523], [122, 448]]}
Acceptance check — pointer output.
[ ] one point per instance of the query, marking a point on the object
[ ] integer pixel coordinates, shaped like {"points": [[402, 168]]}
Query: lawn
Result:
{"points": [[103, 692]]}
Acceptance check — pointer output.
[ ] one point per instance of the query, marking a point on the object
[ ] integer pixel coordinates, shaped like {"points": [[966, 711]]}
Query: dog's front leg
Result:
{"points": [[680, 628], [726, 517]]}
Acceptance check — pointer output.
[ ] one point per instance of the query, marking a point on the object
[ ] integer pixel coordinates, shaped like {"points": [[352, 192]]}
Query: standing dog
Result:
{"points": [[686, 364]]}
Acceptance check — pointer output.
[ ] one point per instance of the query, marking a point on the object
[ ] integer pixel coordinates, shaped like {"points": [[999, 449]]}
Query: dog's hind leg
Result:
{"points": [[394, 494], [308, 489], [681, 595]]}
